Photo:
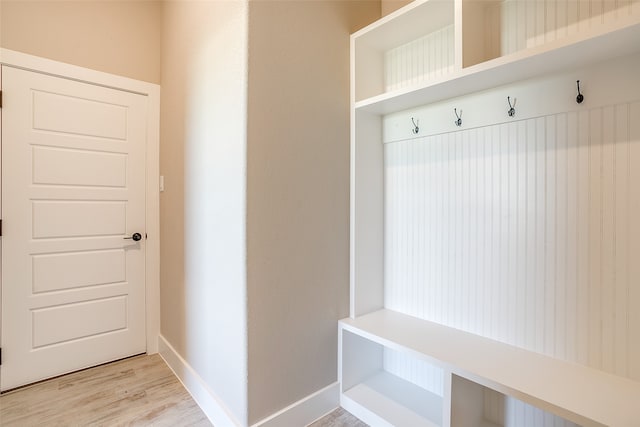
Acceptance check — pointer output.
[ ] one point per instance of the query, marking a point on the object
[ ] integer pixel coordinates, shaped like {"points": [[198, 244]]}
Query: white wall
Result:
{"points": [[203, 159]]}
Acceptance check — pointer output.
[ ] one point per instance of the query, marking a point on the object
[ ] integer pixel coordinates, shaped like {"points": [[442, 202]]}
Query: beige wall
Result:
{"points": [[118, 37], [297, 148], [298, 194], [202, 210], [388, 6]]}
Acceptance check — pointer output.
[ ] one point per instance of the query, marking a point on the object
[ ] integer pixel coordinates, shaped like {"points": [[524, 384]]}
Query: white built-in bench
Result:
{"points": [[469, 362]]}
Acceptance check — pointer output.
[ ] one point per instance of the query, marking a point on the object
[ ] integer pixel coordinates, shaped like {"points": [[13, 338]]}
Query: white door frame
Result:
{"points": [[152, 206]]}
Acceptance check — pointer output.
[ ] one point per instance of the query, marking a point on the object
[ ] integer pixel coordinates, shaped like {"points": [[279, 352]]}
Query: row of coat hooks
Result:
{"points": [[511, 112]]}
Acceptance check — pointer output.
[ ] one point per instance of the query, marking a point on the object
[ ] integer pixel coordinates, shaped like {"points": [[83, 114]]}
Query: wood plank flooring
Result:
{"points": [[139, 391], [339, 418]]}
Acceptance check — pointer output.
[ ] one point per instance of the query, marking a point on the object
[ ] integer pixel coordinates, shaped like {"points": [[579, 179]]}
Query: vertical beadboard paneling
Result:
{"points": [[513, 25], [582, 244], [420, 60], [550, 237], [531, 236], [540, 28], [594, 279], [597, 11], [550, 21], [584, 14], [621, 170], [571, 240], [408, 206], [538, 206], [608, 282], [562, 18], [523, 232], [572, 17], [561, 233]]}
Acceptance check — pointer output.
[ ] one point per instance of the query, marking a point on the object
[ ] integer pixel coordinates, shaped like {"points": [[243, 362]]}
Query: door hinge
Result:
{"points": [[0, 228], [0, 99], [0, 356]]}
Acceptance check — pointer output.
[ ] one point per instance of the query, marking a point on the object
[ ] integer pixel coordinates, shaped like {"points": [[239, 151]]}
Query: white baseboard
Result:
{"points": [[305, 411], [301, 413], [206, 399]]}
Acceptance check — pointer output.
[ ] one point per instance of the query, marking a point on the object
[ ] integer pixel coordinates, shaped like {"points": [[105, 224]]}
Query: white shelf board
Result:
{"points": [[385, 398], [567, 53], [577, 393], [408, 23]]}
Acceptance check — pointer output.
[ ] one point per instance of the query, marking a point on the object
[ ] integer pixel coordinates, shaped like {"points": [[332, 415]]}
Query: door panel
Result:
{"points": [[73, 187], [56, 112], [78, 218], [58, 272], [46, 167], [63, 323]]}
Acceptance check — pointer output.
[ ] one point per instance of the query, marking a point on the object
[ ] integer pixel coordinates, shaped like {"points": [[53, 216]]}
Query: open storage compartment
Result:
{"points": [[473, 405], [405, 49], [380, 397]]}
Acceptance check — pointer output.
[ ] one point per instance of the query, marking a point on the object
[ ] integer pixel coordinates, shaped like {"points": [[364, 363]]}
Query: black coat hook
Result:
{"points": [[580, 97], [458, 121], [415, 129], [512, 108]]}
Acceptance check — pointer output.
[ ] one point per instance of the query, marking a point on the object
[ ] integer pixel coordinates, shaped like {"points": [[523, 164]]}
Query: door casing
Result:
{"points": [[152, 194]]}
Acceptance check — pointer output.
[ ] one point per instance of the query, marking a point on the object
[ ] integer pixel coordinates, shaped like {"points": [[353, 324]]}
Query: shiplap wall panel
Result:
{"points": [[523, 232], [420, 60]]}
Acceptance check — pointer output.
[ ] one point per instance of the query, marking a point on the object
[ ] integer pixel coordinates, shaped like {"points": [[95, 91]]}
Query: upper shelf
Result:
{"points": [[437, 49], [411, 45], [570, 52], [418, 18], [600, 398]]}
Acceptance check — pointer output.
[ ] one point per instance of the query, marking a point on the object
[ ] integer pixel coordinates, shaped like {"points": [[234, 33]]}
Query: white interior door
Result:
{"points": [[73, 190]]}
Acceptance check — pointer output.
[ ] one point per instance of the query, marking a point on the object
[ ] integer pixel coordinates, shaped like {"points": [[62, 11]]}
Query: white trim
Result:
{"points": [[152, 91], [300, 413], [307, 410], [207, 400], [74, 72], [152, 260]]}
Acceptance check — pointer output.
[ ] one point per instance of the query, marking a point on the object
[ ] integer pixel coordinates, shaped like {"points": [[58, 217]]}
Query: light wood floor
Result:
{"points": [[339, 418], [141, 390], [138, 391]]}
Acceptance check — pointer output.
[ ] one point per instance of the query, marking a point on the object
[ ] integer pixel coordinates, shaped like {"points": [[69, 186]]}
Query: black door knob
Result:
{"points": [[135, 237]]}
